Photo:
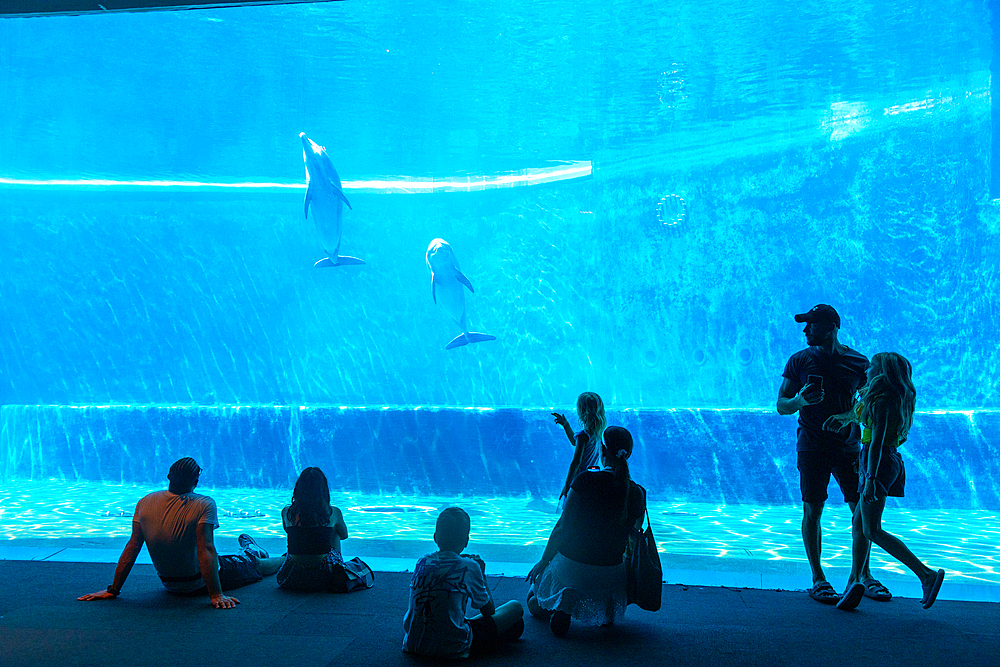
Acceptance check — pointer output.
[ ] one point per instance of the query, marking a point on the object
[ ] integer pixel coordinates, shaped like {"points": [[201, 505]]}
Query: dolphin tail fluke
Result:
{"points": [[339, 260], [457, 341], [476, 337], [466, 338]]}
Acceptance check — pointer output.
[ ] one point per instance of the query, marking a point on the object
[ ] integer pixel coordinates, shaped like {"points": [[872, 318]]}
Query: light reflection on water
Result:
{"points": [[964, 542]]}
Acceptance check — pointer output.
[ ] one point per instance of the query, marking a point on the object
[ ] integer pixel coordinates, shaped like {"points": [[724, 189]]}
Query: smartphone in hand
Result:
{"points": [[816, 380]]}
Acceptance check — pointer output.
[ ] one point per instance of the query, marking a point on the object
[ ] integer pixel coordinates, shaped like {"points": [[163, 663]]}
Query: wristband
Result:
{"points": [[111, 589]]}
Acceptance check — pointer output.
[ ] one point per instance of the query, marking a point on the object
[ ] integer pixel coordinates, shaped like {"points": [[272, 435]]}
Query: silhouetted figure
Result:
{"points": [[819, 382], [177, 526], [586, 452], [582, 573], [443, 585], [315, 529], [886, 412]]}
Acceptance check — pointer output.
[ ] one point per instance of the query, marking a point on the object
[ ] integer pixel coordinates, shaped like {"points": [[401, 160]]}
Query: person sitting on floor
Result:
{"points": [[315, 529], [177, 526], [582, 572], [443, 584]]}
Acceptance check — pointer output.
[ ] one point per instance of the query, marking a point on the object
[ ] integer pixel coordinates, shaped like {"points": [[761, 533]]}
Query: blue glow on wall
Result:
{"points": [[802, 155]]}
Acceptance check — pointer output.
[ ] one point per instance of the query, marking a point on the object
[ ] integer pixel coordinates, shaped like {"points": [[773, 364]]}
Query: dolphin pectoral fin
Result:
{"points": [[342, 197], [308, 199], [465, 281], [466, 338], [434, 289], [337, 260]]}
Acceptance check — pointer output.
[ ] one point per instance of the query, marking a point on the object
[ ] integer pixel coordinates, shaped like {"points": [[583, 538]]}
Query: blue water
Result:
{"points": [[742, 162], [825, 154]]}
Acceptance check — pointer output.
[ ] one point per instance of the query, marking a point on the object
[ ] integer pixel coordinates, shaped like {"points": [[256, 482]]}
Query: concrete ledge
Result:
{"points": [[733, 573]]}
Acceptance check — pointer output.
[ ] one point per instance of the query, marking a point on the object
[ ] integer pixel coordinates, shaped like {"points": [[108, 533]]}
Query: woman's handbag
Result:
{"points": [[644, 584], [352, 575]]}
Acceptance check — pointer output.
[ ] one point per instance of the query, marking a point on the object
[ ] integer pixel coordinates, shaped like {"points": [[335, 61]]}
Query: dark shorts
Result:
{"points": [[815, 469], [486, 638], [238, 571], [235, 571], [891, 477], [484, 635]]}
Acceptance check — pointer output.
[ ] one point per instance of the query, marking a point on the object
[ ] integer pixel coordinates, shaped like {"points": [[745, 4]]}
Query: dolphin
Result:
{"points": [[447, 282], [324, 193]]}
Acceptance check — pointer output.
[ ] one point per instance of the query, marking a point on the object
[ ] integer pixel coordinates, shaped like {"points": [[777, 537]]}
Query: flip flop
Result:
{"points": [[876, 591], [930, 594], [823, 592], [852, 598]]}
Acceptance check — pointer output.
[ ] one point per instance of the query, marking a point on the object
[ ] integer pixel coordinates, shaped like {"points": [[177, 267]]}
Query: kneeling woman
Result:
{"points": [[315, 529], [582, 573]]}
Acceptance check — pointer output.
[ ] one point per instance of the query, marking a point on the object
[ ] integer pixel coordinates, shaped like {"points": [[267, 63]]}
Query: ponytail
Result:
{"points": [[619, 443]]}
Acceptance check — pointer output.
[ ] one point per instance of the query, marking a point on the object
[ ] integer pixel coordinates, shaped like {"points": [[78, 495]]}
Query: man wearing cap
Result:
{"points": [[819, 382], [177, 526]]}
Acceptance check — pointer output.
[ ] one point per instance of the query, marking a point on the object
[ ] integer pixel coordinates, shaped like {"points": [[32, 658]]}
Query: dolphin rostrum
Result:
{"points": [[324, 194], [447, 282]]}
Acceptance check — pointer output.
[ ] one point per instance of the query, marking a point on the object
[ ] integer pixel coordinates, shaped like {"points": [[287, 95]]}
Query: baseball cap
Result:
{"points": [[184, 471], [820, 313]]}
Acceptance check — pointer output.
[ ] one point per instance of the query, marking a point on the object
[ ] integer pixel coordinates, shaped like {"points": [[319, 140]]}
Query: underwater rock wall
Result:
{"points": [[821, 156], [721, 456], [194, 298]]}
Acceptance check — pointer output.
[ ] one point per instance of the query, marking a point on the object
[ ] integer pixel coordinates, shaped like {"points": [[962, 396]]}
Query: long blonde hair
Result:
{"points": [[892, 385], [590, 410]]}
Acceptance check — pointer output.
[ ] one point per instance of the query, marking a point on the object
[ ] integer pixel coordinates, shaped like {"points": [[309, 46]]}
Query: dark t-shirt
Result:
{"points": [[842, 375], [593, 532]]}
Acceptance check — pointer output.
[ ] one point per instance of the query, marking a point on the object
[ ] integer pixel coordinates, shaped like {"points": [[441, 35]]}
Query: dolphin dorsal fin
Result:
{"points": [[462, 279]]}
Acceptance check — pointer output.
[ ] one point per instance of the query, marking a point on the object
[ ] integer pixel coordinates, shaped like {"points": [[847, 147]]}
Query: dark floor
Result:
{"points": [[41, 623]]}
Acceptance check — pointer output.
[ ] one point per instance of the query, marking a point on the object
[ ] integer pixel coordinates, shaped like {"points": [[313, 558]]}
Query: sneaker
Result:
{"points": [[248, 545], [559, 623]]}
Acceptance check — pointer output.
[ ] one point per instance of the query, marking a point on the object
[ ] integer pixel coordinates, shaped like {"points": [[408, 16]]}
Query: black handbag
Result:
{"points": [[644, 583], [352, 575]]}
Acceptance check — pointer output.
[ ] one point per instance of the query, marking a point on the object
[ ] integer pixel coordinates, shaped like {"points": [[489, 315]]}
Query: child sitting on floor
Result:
{"points": [[443, 584]]}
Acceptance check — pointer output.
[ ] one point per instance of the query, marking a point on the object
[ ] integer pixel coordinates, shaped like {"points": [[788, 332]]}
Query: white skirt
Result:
{"points": [[593, 594]]}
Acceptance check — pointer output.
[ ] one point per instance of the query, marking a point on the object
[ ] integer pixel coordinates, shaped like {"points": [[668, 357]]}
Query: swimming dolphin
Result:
{"points": [[324, 193], [447, 281]]}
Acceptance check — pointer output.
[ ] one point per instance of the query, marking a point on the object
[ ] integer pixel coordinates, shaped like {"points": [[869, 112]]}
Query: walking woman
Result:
{"points": [[886, 413]]}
